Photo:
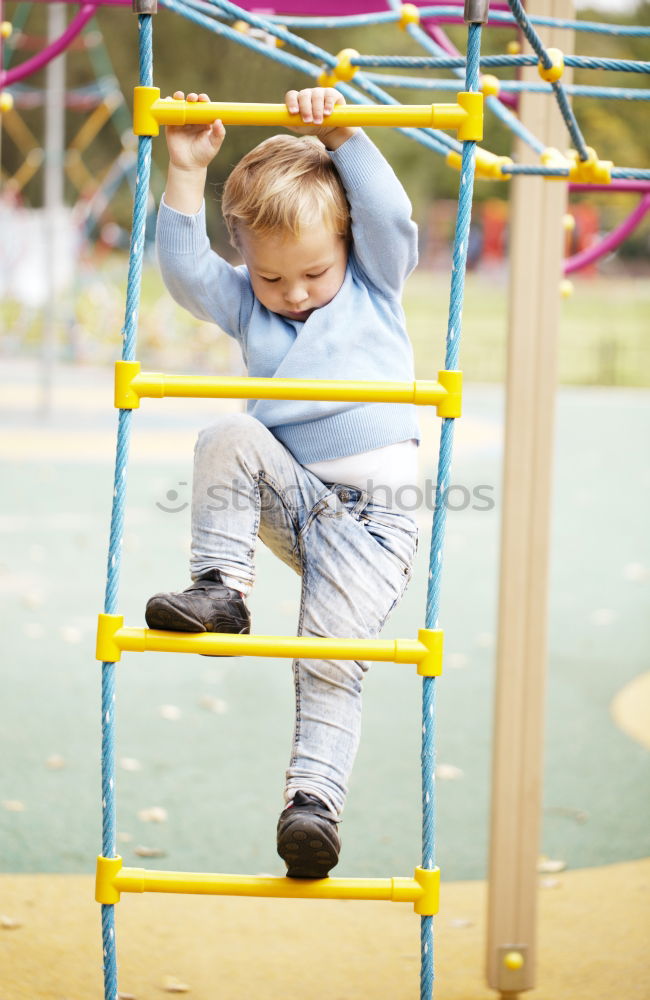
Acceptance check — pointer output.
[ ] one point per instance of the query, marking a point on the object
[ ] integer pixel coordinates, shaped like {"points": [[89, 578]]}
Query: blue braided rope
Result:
{"points": [[274, 29], [454, 327], [191, 10], [109, 821], [628, 173], [618, 173], [503, 113], [510, 86], [351, 20], [566, 110], [487, 62]]}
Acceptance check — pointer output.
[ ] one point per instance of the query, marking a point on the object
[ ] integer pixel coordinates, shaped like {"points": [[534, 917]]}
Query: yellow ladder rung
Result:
{"points": [[150, 111], [131, 385], [422, 890], [113, 638]]}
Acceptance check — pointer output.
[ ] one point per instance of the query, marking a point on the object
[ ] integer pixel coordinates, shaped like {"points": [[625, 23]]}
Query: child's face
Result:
{"points": [[292, 275]]}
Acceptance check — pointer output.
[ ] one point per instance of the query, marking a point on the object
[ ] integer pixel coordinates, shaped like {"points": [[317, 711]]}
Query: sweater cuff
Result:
{"points": [[180, 233], [357, 160]]}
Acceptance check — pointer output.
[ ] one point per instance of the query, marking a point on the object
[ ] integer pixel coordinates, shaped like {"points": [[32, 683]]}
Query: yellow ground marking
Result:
{"points": [[631, 709], [270, 948]]}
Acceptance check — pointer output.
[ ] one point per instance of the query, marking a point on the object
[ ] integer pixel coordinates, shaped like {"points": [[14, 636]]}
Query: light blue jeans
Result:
{"points": [[355, 559]]}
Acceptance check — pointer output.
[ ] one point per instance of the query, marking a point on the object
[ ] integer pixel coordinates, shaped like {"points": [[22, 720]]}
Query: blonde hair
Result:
{"points": [[285, 184]]}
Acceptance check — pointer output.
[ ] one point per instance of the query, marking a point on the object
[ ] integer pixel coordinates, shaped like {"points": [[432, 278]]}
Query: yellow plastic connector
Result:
{"points": [[589, 171], [429, 902], [556, 69], [342, 72], [490, 85], [513, 48], [105, 875], [126, 398], [409, 14], [472, 126], [488, 165], [6, 102], [107, 649], [566, 288], [452, 404], [431, 663], [552, 157], [6, 28], [568, 222]]}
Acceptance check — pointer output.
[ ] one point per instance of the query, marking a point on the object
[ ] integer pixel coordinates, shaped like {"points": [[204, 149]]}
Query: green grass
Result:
{"points": [[604, 335]]}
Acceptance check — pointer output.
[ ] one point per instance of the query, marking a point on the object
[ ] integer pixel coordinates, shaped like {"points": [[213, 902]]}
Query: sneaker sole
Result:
{"points": [[306, 850]]}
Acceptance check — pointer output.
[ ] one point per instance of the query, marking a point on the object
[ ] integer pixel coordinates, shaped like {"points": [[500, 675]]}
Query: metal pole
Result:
{"points": [[52, 197]]}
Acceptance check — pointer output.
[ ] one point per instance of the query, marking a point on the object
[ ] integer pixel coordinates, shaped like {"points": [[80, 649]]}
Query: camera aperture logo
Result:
{"points": [[172, 496]]}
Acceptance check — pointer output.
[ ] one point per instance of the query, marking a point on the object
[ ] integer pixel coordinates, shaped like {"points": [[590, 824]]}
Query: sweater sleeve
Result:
{"points": [[384, 235], [198, 278]]}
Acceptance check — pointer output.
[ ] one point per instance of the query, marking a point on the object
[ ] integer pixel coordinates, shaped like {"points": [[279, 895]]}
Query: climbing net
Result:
{"points": [[221, 16]]}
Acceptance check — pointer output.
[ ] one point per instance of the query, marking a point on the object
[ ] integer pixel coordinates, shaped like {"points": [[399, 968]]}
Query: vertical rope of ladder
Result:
{"points": [[129, 334], [440, 512]]}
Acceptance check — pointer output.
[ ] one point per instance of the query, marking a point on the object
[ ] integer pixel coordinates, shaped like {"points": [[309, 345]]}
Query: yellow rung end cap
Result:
{"points": [[431, 663], [472, 125], [107, 870], [126, 398], [107, 649], [6, 102], [144, 122], [555, 71], [6, 27], [589, 171], [409, 14], [490, 85], [451, 405], [428, 903]]}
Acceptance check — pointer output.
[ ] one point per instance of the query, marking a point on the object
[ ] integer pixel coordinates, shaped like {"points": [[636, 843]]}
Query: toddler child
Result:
{"points": [[324, 229]]}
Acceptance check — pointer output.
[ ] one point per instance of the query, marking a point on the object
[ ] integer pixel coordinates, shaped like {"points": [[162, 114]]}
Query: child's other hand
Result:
{"points": [[314, 105], [192, 147]]}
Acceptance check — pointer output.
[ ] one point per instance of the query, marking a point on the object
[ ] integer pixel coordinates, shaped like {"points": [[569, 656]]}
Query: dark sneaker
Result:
{"points": [[207, 606], [308, 840]]}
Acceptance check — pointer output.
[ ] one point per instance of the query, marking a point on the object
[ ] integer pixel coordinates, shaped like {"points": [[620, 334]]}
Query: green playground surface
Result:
{"points": [[202, 743]]}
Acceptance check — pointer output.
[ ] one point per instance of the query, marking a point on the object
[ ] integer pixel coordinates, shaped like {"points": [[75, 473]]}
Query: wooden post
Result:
{"points": [[536, 245]]}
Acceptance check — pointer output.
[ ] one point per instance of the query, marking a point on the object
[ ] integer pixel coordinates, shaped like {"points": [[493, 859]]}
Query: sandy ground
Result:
{"points": [[593, 943]]}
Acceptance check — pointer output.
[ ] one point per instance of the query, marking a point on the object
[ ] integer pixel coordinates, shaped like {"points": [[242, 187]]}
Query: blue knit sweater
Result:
{"points": [[360, 334]]}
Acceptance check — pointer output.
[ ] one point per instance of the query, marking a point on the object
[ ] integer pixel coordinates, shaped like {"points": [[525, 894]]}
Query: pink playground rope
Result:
{"points": [[609, 242], [37, 62]]}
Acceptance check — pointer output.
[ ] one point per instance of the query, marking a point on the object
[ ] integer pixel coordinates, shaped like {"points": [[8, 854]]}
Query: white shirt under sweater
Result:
{"points": [[380, 472]]}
